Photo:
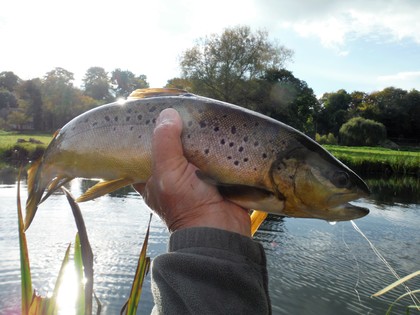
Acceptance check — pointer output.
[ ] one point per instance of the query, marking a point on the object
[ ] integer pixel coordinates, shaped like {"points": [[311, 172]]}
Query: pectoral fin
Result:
{"points": [[257, 218], [103, 188]]}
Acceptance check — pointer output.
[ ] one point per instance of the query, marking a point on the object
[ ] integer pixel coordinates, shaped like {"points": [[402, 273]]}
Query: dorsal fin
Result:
{"points": [[146, 93]]}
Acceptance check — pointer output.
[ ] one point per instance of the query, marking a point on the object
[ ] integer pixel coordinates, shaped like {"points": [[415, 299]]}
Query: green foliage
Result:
{"points": [[326, 139], [219, 66], [359, 131], [96, 84], [124, 82]]}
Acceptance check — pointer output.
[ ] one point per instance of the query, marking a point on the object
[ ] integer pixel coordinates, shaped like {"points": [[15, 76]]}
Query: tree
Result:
{"points": [[96, 84], [334, 111], [126, 82], [284, 97], [218, 65], [17, 119], [8, 80], [7, 100], [179, 83], [32, 94], [359, 132]]}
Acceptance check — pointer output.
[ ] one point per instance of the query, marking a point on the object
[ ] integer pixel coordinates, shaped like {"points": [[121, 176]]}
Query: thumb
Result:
{"points": [[166, 142]]}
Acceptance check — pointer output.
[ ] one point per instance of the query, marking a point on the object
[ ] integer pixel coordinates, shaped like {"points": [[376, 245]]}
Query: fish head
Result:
{"points": [[314, 184]]}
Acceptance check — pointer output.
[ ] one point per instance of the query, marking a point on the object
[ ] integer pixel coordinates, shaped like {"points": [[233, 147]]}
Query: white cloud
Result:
{"points": [[407, 80]]}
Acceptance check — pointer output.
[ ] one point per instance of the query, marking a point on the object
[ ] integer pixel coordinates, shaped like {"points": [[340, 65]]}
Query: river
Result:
{"points": [[314, 267]]}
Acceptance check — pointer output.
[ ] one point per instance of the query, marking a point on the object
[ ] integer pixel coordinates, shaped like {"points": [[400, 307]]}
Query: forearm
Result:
{"points": [[211, 271]]}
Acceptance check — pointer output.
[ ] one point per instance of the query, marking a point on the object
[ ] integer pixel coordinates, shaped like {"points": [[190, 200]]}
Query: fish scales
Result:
{"points": [[255, 161]]}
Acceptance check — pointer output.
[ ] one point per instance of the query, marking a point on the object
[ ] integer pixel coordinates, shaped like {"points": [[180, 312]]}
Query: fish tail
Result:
{"points": [[36, 189]]}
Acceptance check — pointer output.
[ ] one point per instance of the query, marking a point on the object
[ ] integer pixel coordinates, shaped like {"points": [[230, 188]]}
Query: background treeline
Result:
{"points": [[239, 66]]}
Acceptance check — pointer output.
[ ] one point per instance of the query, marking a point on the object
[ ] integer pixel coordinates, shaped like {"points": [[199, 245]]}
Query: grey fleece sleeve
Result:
{"points": [[210, 271]]}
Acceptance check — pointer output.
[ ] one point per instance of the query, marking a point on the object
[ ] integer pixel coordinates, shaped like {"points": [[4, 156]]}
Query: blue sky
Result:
{"points": [[354, 44]]}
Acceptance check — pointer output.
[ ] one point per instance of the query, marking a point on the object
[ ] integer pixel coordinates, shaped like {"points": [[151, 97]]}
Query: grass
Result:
{"points": [[378, 159], [16, 148]]}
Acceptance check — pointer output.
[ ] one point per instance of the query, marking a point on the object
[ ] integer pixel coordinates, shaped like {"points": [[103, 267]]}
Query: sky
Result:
{"points": [[356, 45]]}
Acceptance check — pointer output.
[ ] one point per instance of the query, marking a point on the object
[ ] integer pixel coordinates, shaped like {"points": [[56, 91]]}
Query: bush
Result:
{"points": [[326, 139], [359, 131]]}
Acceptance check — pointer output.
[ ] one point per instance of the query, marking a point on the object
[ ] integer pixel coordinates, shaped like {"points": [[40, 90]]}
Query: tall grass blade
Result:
{"points": [[397, 283], [416, 307], [52, 303], [78, 265], [25, 270], [86, 251], [143, 265]]}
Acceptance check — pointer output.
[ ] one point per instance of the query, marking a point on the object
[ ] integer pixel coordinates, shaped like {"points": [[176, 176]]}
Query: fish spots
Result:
{"points": [[246, 159], [236, 163], [216, 129], [152, 109], [116, 118], [246, 139], [223, 141], [86, 120], [147, 121], [139, 136], [95, 123], [202, 124], [139, 117], [231, 144], [129, 110], [189, 136], [154, 120], [127, 118], [229, 157], [206, 151], [233, 130], [240, 149], [256, 144], [190, 123], [107, 118], [132, 127], [264, 155]]}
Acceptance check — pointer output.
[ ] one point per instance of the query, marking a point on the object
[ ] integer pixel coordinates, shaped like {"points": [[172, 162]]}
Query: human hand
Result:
{"points": [[176, 194]]}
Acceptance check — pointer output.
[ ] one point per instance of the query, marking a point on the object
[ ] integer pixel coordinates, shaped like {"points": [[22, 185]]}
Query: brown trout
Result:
{"points": [[255, 161]]}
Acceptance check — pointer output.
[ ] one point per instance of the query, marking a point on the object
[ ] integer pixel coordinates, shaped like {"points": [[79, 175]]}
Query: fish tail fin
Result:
{"points": [[35, 192], [257, 217]]}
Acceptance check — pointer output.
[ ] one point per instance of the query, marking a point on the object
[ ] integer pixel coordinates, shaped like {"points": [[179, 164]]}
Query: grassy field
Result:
{"points": [[361, 159], [377, 159], [17, 147]]}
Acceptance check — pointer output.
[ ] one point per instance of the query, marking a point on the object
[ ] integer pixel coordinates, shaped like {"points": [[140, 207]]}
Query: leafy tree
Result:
{"points": [[334, 111], [18, 119], [126, 82], [32, 94], [359, 132], [96, 84], [179, 83], [8, 80], [288, 99], [218, 65], [413, 110], [7, 100]]}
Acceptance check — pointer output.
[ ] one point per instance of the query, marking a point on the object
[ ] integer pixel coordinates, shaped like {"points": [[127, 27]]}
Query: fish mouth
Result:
{"points": [[344, 212]]}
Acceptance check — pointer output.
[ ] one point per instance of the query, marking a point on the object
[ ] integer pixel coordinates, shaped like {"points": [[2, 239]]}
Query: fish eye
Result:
{"points": [[340, 179]]}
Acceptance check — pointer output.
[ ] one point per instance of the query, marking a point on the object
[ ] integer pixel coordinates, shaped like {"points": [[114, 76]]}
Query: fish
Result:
{"points": [[255, 161]]}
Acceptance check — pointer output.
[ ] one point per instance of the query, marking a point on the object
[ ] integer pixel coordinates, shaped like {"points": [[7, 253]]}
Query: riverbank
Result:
{"points": [[19, 148]]}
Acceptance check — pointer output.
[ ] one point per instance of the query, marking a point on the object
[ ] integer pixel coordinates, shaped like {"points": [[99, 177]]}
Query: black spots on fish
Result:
{"points": [[231, 144], [246, 139], [223, 141], [147, 121], [236, 163], [152, 109], [224, 116], [233, 130], [216, 129], [255, 169], [189, 136], [256, 144], [107, 118], [256, 124], [240, 149], [86, 120], [190, 123], [116, 118], [154, 120], [202, 124], [127, 118], [264, 155], [139, 117], [246, 160], [129, 110], [206, 151], [132, 127], [73, 128], [95, 123], [200, 110], [114, 128], [229, 157], [139, 136]]}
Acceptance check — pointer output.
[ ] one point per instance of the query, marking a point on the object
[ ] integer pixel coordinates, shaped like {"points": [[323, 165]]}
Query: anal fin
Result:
{"points": [[103, 188]]}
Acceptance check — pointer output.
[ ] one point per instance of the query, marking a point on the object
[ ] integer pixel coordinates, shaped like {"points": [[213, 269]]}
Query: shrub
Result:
{"points": [[359, 131], [326, 139]]}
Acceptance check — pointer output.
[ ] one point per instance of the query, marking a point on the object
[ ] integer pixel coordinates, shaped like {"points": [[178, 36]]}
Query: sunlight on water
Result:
{"points": [[68, 292]]}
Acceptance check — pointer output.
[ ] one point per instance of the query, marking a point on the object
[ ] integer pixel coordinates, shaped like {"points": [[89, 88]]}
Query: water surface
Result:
{"points": [[314, 267]]}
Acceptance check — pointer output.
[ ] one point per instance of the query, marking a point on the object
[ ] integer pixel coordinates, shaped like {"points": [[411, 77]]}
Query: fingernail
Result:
{"points": [[167, 115]]}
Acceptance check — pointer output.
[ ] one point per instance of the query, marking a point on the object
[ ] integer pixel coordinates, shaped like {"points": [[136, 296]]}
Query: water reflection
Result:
{"points": [[314, 268], [396, 189]]}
